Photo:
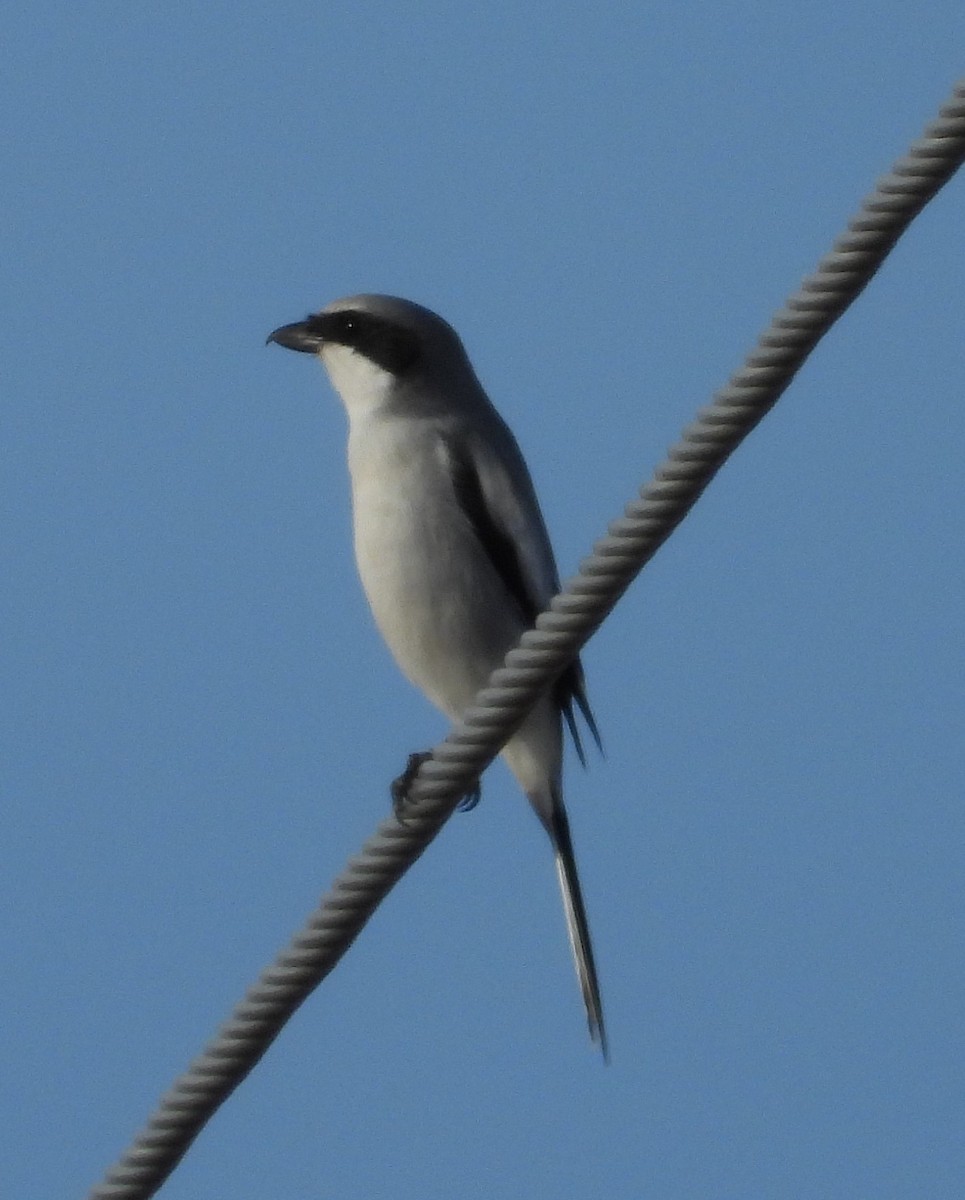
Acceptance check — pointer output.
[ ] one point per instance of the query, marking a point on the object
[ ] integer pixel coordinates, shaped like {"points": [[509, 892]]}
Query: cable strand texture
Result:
{"points": [[543, 652]]}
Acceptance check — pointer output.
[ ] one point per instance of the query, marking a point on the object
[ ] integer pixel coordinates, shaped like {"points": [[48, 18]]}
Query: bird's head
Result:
{"points": [[373, 346]]}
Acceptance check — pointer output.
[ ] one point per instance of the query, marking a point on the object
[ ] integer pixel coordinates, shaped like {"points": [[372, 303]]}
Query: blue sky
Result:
{"points": [[608, 201]]}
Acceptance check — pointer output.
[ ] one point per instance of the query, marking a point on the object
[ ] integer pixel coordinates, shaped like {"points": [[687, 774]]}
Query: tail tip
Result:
{"points": [[598, 1037]]}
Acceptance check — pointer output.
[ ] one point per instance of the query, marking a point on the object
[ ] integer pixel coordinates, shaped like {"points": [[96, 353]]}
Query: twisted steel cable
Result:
{"points": [[560, 633]]}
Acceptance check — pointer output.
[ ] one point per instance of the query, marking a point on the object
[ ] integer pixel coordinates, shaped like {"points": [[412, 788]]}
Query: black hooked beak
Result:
{"points": [[303, 335]]}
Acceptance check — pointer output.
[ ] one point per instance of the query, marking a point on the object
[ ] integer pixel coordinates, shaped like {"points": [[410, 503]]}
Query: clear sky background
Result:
{"points": [[608, 200]]}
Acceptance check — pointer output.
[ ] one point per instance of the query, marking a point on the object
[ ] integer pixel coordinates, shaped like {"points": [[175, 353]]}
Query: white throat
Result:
{"points": [[362, 385]]}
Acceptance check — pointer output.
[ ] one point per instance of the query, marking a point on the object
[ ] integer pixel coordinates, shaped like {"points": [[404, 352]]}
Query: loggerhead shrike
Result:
{"points": [[450, 542]]}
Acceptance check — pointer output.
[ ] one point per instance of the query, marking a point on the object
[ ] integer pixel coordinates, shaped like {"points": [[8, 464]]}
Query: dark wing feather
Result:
{"points": [[500, 548], [497, 544], [568, 690]]}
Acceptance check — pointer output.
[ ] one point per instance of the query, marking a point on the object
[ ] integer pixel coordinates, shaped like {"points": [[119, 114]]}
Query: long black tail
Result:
{"points": [[558, 827]]}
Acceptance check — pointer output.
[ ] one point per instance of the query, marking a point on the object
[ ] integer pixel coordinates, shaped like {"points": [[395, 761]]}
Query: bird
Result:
{"points": [[451, 546]]}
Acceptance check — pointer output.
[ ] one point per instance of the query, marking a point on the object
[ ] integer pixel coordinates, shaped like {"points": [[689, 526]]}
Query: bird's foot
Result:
{"points": [[471, 798], [401, 786]]}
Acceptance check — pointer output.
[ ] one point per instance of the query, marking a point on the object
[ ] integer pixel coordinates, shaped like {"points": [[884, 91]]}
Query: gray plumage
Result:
{"points": [[450, 542]]}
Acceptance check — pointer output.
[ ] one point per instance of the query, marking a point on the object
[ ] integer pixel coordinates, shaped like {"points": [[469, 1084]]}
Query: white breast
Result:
{"points": [[436, 598]]}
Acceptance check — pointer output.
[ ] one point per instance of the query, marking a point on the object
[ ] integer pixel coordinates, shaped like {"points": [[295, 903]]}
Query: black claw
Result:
{"points": [[401, 786], [471, 798]]}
